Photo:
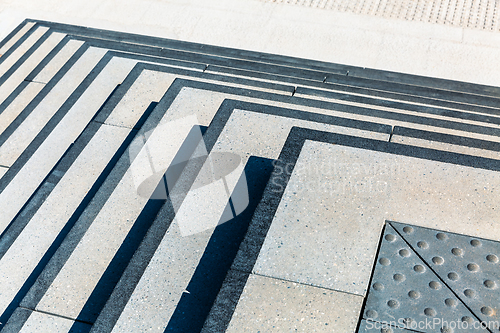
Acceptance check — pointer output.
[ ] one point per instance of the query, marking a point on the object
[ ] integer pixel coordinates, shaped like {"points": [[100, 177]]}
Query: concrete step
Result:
{"points": [[334, 248], [31, 85], [13, 81], [17, 55], [29, 176], [310, 160], [15, 143], [15, 36]]}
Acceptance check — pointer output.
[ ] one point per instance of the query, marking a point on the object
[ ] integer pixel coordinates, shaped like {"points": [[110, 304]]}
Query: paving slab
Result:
{"points": [[61, 137], [7, 62], [25, 28], [17, 106], [19, 261], [183, 245], [20, 139], [101, 241], [271, 305], [355, 190], [391, 103], [9, 85]]}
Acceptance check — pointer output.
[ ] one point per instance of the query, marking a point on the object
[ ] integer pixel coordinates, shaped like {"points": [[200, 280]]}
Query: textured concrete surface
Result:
{"points": [[7, 62], [18, 141], [445, 146], [17, 106], [58, 61], [312, 33], [182, 247], [103, 239], [3, 170], [20, 74], [19, 261], [353, 191], [271, 305], [54, 146]]}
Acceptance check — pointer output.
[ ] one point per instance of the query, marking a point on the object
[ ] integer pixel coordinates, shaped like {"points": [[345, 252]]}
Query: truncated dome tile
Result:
{"points": [[405, 292], [468, 265]]}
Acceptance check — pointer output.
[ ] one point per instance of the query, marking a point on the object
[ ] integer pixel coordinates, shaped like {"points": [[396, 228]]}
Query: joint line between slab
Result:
{"points": [[56, 315], [114, 125], [303, 284]]}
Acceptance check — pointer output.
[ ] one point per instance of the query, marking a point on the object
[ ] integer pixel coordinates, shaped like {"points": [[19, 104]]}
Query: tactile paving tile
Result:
{"points": [[405, 292], [478, 14], [468, 265]]}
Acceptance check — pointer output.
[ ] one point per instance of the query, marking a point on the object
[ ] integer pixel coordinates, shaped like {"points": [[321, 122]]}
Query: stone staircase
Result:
{"points": [[154, 185]]}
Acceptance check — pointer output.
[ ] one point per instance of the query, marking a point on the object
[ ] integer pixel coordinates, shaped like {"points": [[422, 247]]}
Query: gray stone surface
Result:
{"points": [[53, 147], [16, 37], [271, 305], [467, 265], [7, 63], [406, 291], [34, 59], [17, 142], [101, 241], [327, 226], [10, 113], [19, 261], [58, 61], [201, 211]]}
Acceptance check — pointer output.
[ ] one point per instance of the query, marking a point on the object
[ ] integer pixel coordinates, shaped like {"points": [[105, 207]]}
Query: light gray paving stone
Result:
{"points": [[3, 170], [69, 128], [7, 87], [43, 322], [19, 261], [69, 291], [445, 147], [327, 226], [270, 305], [206, 100], [18, 141], [22, 100], [16, 37], [58, 61], [7, 63], [202, 209]]}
